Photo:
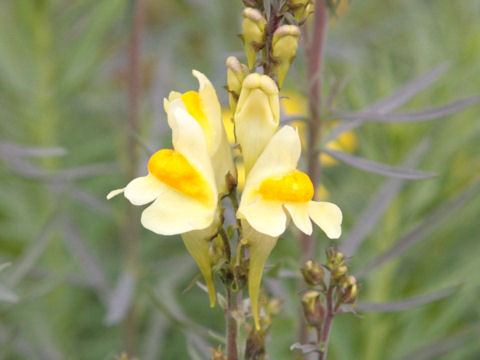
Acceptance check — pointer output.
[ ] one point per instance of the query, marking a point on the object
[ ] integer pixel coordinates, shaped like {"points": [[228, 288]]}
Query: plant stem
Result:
{"points": [[314, 55], [272, 25], [327, 324], [132, 229], [231, 326]]}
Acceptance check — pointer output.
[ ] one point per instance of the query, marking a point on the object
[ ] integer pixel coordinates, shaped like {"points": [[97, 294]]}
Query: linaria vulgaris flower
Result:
{"points": [[181, 185], [274, 191]]}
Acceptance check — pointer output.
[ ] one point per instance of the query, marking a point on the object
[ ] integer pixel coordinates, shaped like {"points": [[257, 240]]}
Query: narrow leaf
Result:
{"points": [[12, 149], [390, 103], [375, 209], [401, 305], [437, 348], [412, 116], [425, 228], [378, 168], [305, 348], [121, 298]]}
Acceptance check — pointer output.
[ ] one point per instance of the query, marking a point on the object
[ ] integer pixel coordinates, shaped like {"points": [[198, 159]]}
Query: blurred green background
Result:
{"points": [[63, 146]]}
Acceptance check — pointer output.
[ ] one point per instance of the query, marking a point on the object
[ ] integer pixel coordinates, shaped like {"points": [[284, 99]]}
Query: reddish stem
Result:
{"points": [[314, 55]]}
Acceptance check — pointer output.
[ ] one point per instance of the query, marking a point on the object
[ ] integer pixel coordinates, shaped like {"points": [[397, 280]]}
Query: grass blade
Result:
{"points": [[378, 168]]}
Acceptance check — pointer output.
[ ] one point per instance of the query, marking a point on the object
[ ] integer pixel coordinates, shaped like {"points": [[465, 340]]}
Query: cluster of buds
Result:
{"points": [[328, 283], [278, 36]]}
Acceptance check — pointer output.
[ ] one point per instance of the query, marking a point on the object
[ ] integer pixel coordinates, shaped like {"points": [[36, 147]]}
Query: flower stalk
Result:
{"points": [[314, 47]]}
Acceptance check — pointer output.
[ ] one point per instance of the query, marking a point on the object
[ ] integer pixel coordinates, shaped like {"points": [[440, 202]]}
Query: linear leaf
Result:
{"points": [[440, 347], [305, 348], [393, 101], [401, 305], [12, 149], [121, 298], [421, 231], [413, 116], [375, 209], [379, 168], [90, 265]]}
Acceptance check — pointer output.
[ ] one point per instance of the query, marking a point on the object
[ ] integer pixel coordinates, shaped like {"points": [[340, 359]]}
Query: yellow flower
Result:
{"points": [[273, 189], [180, 184], [256, 117], [205, 108], [236, 72], [284, 48], [253, 33]]}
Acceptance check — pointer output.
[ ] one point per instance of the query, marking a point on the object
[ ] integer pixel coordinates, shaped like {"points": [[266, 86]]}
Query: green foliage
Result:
{"points": [[62, 148]]}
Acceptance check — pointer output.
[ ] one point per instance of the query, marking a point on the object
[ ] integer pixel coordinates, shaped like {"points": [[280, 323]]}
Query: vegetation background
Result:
{"points": [[75, 289]]}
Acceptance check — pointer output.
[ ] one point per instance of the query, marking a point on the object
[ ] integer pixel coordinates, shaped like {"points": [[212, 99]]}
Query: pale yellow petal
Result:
{"points": [[143, 190], [260, 247], [174, 213], [114, 193], [266, 217], [280, 156], [196, 243], [189, 140], [172, 96], [327, 216], [257, 116], [300, 217], [211, 107]]}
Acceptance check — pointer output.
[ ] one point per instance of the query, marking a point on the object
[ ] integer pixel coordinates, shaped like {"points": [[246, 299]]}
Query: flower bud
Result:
{"points": [[256, 117], [334, 258], [253, 33], [217, 354], [284, 48], [300, 8], [349, 290], [338, 273], [313, 273], [236, 72], [313, 308]]}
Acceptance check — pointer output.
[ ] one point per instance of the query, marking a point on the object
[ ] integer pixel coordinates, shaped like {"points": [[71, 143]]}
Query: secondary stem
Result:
{"points": [[131, 231], [314, 55], [327, 324], [231, 326]]}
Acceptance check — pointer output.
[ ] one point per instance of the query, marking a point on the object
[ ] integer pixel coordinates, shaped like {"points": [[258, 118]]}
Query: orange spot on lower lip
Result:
{"points": [[174, 170], [294, 186]]}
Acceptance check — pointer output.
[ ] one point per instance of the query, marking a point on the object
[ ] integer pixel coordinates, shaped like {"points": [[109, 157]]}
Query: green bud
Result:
{"points": [[313, 308], [300, 8], [334, 258], [338, 273], [313, 273]]}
